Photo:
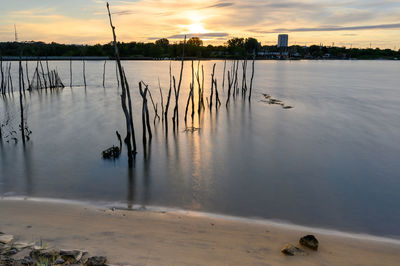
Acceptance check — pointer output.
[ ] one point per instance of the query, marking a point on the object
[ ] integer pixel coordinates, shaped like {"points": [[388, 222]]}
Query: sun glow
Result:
{"points": [[196, 28]]}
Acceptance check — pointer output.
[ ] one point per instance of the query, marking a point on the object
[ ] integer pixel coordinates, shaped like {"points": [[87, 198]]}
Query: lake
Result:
{"points": [[332, 161]]}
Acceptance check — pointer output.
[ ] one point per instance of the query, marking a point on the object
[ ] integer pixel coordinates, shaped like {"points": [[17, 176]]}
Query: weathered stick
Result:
{"points": [[84, 72], [217, 101], [104, 73], [212, 86], [22, 125], [128, 92], [223, 77], [177, 91], [70, 73], [162, 99], [43, 75], [123, 94], [229, 88], [52, 85], [116, 72], [27, 75], [169, 92], [252, 75]]}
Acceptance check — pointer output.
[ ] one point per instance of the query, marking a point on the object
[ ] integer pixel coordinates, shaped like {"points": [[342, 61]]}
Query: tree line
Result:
{"points": [[163, 48]]}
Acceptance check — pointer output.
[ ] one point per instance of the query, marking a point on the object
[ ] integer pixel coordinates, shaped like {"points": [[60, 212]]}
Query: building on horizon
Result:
{"points": [[283, 40]]}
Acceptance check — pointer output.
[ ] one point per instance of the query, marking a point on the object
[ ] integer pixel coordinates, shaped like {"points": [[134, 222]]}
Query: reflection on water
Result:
{"points": [[331, 161]]}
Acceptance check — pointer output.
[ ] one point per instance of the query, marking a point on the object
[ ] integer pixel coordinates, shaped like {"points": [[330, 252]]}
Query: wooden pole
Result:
{"points": [[177, 91], [70, 73], [123, 94], [223, 77], [252, 76], [162, 99], [22, 126], [43, 75], [169, 92], [84, 72], [212, 86], [104, 73]]}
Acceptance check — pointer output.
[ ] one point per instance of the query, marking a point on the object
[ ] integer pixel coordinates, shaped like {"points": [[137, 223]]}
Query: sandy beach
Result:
{"points": [[182, 238]]}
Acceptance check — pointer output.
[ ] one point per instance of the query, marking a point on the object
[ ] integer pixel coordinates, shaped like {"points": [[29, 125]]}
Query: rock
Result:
{"points": [[9, 251], [6, 260], [309, 241], [6, 239], [26, 261], [22, 245], [59, 261], [96, 261], [40, 254], [72, 256], [292, 250]]}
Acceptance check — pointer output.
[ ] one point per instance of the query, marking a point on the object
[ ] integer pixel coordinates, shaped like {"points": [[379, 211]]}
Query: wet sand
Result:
{"points": [[182, 238]]}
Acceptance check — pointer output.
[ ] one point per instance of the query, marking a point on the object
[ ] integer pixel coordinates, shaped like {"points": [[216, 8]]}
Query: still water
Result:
{"points": [[332, 161]]}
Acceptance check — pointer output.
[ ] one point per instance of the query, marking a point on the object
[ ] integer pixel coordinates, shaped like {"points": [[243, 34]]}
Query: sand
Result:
{"points": [[182, 238]]}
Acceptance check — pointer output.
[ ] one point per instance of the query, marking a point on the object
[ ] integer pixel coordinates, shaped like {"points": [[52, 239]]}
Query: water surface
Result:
{"points": [[331, 161]]}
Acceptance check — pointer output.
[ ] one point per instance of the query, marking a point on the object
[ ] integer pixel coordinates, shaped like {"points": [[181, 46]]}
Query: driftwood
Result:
{"points": [[145, 113], [212, 86], [252, 76], [162, 99], [27, 74], [223, 76], [169, 93], [128, 92], [21, 105], [113, 152], [190, 97], [244, 81], [84, 72], [130, 134], [104, 73], [175, 118], [116, 73], [70, 73]]}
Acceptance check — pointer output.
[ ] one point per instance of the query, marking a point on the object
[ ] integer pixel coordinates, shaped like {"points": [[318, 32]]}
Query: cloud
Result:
{"points": [[337, 28], [85, 21], [211, 35], [221, 5]]}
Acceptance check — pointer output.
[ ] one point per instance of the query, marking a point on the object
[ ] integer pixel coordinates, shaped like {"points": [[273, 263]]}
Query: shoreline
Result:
{"points": [[106, 58], [287, 225], [169, 236]]}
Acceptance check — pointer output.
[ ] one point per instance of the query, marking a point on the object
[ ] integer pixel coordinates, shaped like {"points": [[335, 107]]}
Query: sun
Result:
{"points": [[196, 28]]}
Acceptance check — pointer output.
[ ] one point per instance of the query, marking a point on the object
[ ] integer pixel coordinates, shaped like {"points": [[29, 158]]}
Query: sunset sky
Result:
{"points": [[360, 23]]}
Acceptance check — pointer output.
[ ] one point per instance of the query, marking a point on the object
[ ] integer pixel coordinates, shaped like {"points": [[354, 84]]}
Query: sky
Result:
{"points": [[356, 23]]}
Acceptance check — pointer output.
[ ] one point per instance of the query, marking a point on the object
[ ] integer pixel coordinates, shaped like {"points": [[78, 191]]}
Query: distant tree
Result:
{"points": [[163, 43], [235, 43], [251, 45], [195, 41], [236, 46]]}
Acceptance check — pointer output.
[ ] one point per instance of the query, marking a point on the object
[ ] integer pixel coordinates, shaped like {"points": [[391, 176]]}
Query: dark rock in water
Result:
{"points": [[96, 261], [111, 153], [309, 241], [291, 250], [287, 107], [72, 256]]}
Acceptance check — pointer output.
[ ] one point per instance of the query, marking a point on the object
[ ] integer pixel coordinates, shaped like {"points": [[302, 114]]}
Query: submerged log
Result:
{"points": [[111, 153]]}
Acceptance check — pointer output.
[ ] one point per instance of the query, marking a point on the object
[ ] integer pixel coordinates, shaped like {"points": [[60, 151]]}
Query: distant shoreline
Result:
{"points": [[103, 58]]}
